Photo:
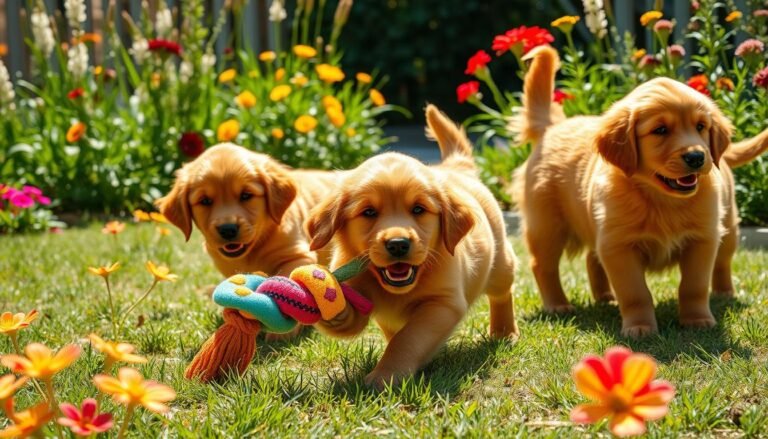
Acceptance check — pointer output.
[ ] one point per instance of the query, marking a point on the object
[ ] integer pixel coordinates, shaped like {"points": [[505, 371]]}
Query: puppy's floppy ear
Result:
{"points": [[456, 220], [279, 189], [719, 135], [175, 206], [325, 219], [616, 140]]}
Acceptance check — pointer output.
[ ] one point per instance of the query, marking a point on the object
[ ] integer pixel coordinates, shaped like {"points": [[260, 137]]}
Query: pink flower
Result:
{"points": [[649, 62], [750, 47], [467, 91], [478, 61], [36, 194], [676, 51], [21, 200], [761, 78], [760, 13], [87, 420]]}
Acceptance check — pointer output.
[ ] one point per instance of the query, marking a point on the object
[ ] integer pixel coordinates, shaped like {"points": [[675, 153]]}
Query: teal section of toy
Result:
{"points": [[239, 292]]}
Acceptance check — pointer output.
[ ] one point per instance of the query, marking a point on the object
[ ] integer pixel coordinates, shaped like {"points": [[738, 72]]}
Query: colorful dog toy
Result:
{"points": [[278, 304]]}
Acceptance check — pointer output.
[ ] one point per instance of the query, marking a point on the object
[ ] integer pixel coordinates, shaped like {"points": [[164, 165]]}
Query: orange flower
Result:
{"points": [[330, 101], [40, 362], [299, 80], [75, 132], [267, 56], [303, 51], [638, 55], [620, 387], [336, 116], [363, 78], [725, 84], [228, 130], [351, 132], [246, 99], [116, 351], [733, 16], [277, 133], [139, 215], [9, 385], [161, 272], [377, 98], [3, 49], [163, 231], [29, 421], [130, 388], [279, 93], [104, 271], [650, 18], [279, 74], [227, 75], [328, 73], [90, 38], [305, 124], [158, 217], [113, 227], [12, 323]]}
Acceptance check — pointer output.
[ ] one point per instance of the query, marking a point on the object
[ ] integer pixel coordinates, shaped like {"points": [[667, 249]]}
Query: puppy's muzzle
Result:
{"points": [[398, 247], [228, 232], [694, 159]]}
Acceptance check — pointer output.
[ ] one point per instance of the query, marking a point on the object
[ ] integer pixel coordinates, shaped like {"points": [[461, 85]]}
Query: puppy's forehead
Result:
{"points": [[223, 163], [392, 172], [664, 94]]}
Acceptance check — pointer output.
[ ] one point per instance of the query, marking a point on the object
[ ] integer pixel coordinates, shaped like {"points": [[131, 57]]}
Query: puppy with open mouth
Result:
{"points": [[435, 239]]}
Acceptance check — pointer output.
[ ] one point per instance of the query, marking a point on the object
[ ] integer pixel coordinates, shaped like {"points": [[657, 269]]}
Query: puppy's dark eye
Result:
{"points": [[660, 130], [370, 213], [245, 196], [205, 201], [418, 210], [699, 126]]}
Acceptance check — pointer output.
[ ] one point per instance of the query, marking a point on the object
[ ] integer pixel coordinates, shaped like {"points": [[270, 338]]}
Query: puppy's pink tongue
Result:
{"points": [[234, 247], [399, 269], [688, 180]]}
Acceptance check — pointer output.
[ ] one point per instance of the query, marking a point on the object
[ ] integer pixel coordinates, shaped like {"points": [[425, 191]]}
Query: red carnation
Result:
{"points": [[761, 78], [76, 93], [477, 61], [158, 45], [699, 83], [467, 90], [521, 40], [191, 144], [559, 96]]}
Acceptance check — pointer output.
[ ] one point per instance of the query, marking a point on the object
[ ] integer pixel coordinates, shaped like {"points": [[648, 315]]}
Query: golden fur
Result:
{"points": [[595, 182], [266, 200], [457, 242]]}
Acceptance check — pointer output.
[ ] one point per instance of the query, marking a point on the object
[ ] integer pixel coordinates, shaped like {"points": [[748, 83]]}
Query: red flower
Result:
{"points": [[477, 61], [76, 93], [191, 144], [521, 40], [699, 83], [87, 420], [158, 45], [467, 90], [761, 78], [559, 96]]}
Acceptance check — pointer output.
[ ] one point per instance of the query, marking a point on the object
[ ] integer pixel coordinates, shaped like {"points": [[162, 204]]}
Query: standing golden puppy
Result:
{"points": [[249, 208], [435, 239], [642, 187]]}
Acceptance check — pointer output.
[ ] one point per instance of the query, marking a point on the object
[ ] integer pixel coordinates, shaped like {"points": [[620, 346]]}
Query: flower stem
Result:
{"points": [[111, 308], [15, 342], [54, 405], [127, 312], [126, 421]]}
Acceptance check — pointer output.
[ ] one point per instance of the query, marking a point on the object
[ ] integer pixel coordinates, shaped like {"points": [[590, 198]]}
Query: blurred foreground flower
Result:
{"points": [[113, 228], [621, 388], [87, 420], [40, 362], [28, 422], [75, 132], [191, 144], [115, 352], [9, 385], [228, 130]]}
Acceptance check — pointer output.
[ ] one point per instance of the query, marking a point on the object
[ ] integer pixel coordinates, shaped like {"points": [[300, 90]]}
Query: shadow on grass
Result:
{"points": [[673, 340]]}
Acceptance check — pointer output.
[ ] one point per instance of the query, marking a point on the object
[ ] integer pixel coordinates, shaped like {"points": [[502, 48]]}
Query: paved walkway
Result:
{"points": [[412, 141]]}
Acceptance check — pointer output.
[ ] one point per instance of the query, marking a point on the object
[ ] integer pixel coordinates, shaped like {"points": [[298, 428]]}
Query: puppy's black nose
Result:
{"points": [[228, 231], [398, 247], [694, 159]]}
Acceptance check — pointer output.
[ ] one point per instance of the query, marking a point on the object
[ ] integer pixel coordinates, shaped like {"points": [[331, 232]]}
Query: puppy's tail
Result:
{"points": [[455, 147], [741, 153], [538, 113]]}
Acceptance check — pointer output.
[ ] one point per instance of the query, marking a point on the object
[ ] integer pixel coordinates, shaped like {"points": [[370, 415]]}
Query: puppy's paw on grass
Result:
{"points": [[605, 297], [698, 322], [639, 331], [379, 380], [727, 294], [564, 308]]}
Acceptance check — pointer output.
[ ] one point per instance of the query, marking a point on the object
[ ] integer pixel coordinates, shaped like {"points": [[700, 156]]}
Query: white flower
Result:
{"points": [[594, 17], [186, 70], [77, 60], [163, 22], [75, 10], [277, 11], [140, 49], [6, 89], [207, 62], [42, 32]]}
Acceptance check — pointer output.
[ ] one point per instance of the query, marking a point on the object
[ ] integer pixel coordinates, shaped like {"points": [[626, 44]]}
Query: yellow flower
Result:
{"points": [[279, 74], [161, 272], [733, 16], [328, 73], [246, 99], [267, 56], [227, 75], [155, 80], [98, 70], [650, 17], [104, 271], [158, 217], [139, 215], [254, 73], [163, 231], [280, 92], [9, 385], [277, 133], [75, 132], [336, 116], [115, 351], [12, 323], [639, 54], [130, 388], [113, 228], [566, 23], [299, 80], [90, 38], [40, 362], [364, 78], [228, 130], [330, 101], [304, 124], [28, 422], [377, 98], [303, 51], [351, 132]]}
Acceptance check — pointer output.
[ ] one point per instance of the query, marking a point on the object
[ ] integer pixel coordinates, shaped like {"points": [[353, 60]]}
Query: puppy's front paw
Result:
{"points": [[563, 308], [378, 379], [728, 294], [605, 297], [698, 322], [639, 330]]}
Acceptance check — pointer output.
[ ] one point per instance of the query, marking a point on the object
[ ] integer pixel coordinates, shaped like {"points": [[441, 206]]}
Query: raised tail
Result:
{"points": [[741, 153], [455, 147], [538, 113]]}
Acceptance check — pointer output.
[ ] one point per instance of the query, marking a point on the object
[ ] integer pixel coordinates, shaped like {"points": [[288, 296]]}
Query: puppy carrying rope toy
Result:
{"points": [[278, 304]]}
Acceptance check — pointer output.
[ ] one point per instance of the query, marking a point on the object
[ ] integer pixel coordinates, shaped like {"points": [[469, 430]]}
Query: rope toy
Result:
{"points": [[277, 304]]}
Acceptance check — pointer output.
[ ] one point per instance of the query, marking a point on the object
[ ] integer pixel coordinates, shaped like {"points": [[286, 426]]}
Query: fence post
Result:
{"points": [[17, 52]]}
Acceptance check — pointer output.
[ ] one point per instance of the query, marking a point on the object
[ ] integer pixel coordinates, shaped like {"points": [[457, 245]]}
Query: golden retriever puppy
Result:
{"points": [[249, 208], [643, 187], [435, 239]]}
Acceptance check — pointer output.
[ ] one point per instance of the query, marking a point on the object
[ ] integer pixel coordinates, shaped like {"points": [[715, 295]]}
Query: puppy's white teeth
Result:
{"points": [[688, 180], [399, 276]]}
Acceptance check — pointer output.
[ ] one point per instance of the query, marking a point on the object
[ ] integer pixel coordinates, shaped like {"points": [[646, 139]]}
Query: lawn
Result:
{"points": [[312, 386]]}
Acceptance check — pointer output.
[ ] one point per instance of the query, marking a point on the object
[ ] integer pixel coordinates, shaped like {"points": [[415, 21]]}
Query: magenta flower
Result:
{"points": [[761, 78], [36, 194], [21, 200], [87, 420]]}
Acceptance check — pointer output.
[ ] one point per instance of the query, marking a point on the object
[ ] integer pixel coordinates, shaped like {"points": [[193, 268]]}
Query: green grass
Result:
{"points": [[312, 386]]}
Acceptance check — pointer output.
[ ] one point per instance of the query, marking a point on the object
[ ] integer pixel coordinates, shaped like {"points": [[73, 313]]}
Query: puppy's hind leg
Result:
{"points": [[598, 280], [501, 296], [546, 241], [722, 282]]}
